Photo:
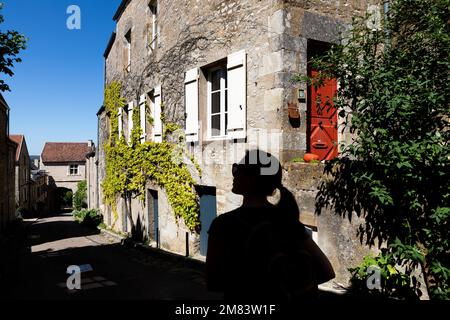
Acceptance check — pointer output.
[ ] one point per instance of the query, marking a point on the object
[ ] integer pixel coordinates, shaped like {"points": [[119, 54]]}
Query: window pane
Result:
{"points": [[226, 100], [215, 80], [226, 123], [215, 102], [215, 125]]}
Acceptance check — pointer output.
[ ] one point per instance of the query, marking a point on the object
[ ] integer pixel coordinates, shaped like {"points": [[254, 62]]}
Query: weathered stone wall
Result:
{"points": [[91, 181], [103, 134], [336, 236], [39, 194], [7, 171], [4, 194]]}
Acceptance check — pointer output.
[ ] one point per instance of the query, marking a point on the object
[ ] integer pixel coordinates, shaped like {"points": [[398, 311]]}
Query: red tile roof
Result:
{"points": [[17, 138], [65, 152]]}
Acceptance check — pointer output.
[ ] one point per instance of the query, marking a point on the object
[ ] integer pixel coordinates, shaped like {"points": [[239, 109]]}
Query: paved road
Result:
{"points": [[118, 272]]}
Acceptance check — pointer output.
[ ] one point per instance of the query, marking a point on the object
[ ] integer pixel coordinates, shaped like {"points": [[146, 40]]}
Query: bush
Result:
{"points": [[80, 197], [394, 282], [20, 212], [89, 218], [67, 198]]}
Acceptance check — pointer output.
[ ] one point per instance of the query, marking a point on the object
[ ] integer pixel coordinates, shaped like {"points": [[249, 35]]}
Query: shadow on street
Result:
{"points": [[111, 271]]}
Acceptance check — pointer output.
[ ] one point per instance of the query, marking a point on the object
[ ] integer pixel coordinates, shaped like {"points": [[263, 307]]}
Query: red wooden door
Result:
{"points": [[323, 134]]}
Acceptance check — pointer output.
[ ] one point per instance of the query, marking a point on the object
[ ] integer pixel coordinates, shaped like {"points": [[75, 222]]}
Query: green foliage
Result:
{"points": [[11, 43], [394, 97], [129, 166], [394, 282], [80, 196], [20, 210], [297, 160], [170, 127], [67, 198], [112, 102], [148, 114], [163, 114], [197, 166], [89, 218]]}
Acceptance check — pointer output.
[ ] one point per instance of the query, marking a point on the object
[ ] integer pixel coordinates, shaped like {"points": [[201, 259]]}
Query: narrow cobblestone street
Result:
{"points": [[118, 272]]}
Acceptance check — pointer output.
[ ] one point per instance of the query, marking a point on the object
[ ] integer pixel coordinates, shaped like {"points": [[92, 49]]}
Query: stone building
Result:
{"points": [[7, 168], [91, 179], [65, 163], [39, 192], [23, 173], [223, 71]]}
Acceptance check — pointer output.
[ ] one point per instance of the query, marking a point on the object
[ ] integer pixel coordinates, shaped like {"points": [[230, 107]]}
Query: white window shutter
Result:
{"points": [[130, 120], [237, 95], [157, 123], [120, 122], [143, 116], [191, 105]]}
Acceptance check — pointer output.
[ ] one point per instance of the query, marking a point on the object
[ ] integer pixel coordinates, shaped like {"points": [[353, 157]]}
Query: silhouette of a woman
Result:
{"points": [[261, 251]]}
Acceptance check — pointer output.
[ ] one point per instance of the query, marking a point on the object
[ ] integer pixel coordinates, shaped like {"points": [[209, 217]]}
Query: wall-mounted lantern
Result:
{"points": [[301, 95]]}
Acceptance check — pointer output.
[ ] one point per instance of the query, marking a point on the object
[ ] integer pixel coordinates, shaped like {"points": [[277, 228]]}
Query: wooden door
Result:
{"points": [[323, 134]]}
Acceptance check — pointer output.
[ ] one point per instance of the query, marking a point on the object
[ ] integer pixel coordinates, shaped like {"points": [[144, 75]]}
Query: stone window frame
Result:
{"points": [[71, 169], [152, 32], [128, 47], [223, 101]]}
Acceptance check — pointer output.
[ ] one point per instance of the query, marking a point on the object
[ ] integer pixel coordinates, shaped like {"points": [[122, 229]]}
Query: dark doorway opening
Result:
{"points": [[208, 212], [64, 199]]}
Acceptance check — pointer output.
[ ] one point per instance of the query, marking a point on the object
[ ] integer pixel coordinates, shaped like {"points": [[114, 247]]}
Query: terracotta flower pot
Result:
{"points": [[308, 157]]}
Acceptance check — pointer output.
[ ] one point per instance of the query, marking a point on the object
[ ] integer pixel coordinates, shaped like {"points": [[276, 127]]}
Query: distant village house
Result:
{"points": [[65, 163], [23, 174]]}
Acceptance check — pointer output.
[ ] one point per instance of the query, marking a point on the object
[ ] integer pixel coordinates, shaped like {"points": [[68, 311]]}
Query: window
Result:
{"points": [[120, 115], [216, 96], [128, 51], [143, 117], [217, 102], [130, 120], [155, 100], [153, 26], [73, 169]]}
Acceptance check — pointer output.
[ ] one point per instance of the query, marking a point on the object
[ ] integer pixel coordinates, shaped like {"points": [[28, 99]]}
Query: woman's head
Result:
{"points": [[258, 173]]}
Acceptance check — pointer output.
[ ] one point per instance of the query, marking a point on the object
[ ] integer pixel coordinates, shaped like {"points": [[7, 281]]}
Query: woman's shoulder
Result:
{"points": [[242, 217], [224, 221]]}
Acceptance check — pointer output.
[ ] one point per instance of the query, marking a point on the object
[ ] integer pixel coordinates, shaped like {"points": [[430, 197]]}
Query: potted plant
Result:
{"points": [[308, 157]]}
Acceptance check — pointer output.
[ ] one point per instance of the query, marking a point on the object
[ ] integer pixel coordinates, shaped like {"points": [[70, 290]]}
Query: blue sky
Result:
{"points": [[58, 88]]}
